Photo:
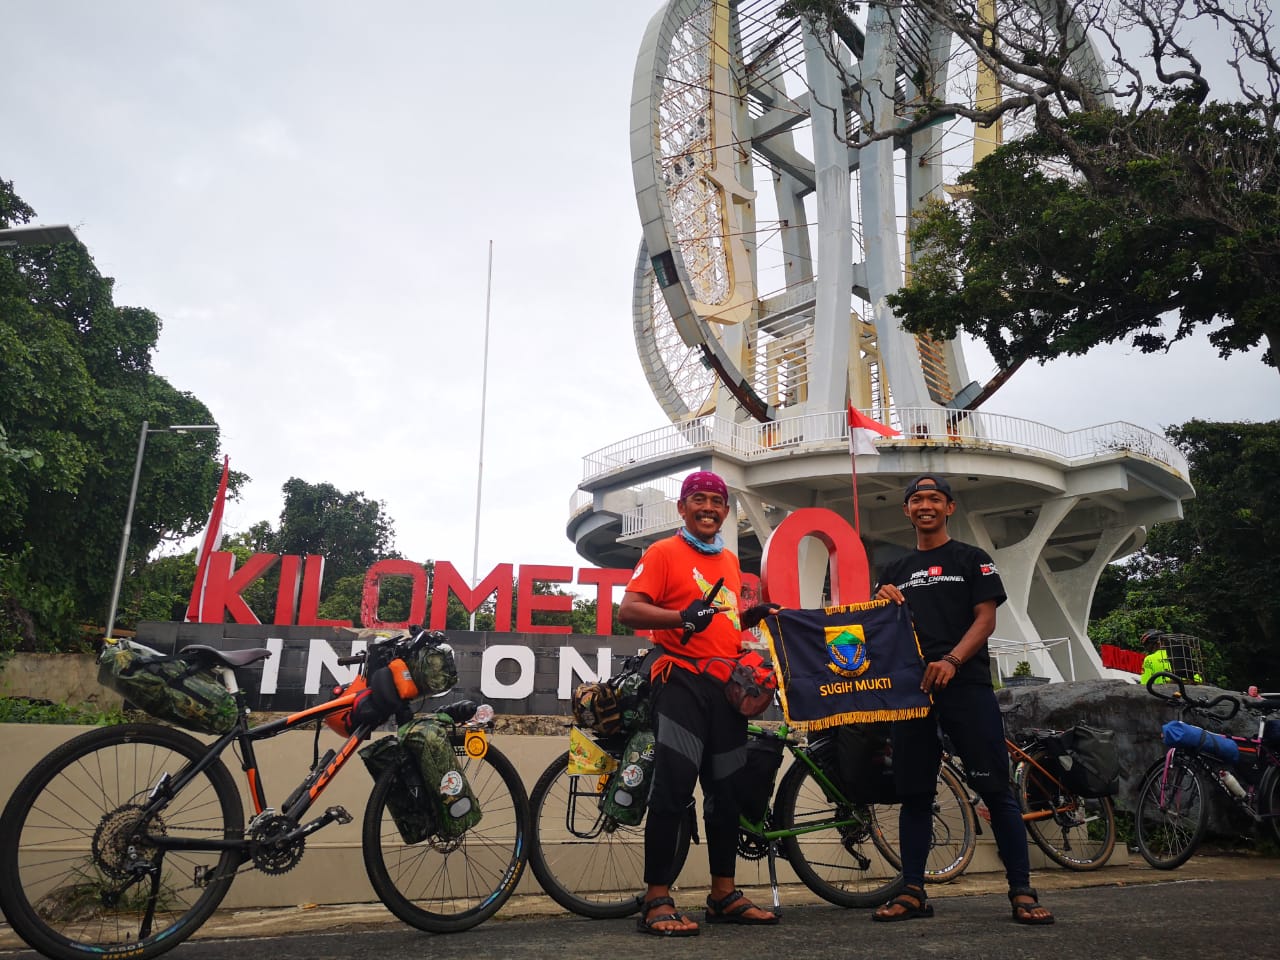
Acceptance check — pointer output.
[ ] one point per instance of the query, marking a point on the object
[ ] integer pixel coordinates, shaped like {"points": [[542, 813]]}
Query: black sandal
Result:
{"points": [[1023, 912], [914, 904], [645, 923], [718, 911]]}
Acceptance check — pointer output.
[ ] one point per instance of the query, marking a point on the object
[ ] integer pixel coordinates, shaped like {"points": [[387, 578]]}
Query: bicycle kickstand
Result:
{"points": [[773, 877]]}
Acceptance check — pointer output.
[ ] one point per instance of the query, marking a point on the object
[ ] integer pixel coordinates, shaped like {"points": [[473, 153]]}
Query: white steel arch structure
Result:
{"points": [[770, 241]]}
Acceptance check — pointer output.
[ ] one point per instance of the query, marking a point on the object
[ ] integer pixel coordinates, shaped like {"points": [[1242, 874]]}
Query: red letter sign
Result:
{"points": [[373, 584], [447, 579], [780, 565]]}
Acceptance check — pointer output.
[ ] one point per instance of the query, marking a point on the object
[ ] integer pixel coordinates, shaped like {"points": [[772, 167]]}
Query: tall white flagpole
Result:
{"points": [[484, 393]]}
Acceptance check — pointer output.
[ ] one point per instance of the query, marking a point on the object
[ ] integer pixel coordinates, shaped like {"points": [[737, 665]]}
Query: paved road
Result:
{"points": [[1179, 917]]}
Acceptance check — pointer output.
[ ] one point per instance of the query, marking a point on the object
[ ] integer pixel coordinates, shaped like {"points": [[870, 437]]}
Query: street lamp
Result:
{"points": [[36, 236], [133, 496]]}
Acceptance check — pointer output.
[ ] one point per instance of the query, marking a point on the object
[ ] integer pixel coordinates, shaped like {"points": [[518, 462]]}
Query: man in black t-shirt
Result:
{"points": [[953, 590]]}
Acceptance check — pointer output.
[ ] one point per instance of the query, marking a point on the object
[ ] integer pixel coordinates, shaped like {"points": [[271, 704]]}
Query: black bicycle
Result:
{"points": [[122, 842], [1172, 814]]}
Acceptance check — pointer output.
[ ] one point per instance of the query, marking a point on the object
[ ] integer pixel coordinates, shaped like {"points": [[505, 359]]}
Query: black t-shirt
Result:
{"points": [[942, 586]]}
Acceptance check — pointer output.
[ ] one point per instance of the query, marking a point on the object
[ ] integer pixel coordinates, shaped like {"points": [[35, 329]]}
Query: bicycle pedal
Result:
{"points": [[339, 814]]}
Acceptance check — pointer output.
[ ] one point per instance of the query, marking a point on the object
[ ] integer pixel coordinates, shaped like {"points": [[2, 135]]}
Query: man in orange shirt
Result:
{"points": [[686, 590]]}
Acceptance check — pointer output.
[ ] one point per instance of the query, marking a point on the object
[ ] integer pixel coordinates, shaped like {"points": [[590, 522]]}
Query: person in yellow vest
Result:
{"points": [[1157, 657]]}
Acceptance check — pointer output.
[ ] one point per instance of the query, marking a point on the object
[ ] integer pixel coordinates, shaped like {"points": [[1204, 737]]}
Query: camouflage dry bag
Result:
{"points": [[169, 688], [456, 807], [407, 802]]}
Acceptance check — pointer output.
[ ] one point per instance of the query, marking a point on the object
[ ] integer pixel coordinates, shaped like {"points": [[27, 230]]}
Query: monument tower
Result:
{"points": [[769, 244]]}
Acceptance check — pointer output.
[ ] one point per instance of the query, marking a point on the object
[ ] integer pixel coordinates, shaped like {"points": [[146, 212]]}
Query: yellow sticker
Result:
{"points": [[476, 744]]}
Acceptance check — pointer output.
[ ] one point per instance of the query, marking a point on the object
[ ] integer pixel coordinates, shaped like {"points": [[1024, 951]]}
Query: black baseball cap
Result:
{"points": [[927, 481]]}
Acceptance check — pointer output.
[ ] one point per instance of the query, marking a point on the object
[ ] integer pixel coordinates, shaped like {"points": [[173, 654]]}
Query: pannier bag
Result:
{"points": [[626, 794], [755, 780], [457, 809], [1177, 733], [595, 707], [1271, 733], [858, 757], [612, 706], [1088, 760], [168, 688], [434, 670], [407, 802]]}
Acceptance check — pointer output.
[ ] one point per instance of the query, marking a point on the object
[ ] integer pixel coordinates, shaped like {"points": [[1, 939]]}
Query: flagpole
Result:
{"points": [[484, 392], [853, 465]]}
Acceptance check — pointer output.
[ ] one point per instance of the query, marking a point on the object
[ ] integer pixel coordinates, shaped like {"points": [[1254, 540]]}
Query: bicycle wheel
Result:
{"points": [[1172, 813], [587, 862], [80, 875], [1269, 801], [1075, 832], [831, 847], [955, 830], [449, 885]]}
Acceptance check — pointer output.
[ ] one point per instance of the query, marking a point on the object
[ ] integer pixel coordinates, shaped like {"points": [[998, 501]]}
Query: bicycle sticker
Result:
{"points": [[476, 744], [632, 775], [451, 784]]}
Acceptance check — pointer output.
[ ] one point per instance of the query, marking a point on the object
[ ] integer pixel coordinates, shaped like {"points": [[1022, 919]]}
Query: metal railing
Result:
{"points": [[931, 426]]}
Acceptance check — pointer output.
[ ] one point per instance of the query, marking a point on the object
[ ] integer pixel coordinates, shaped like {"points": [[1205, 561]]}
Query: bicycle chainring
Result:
{"points": [[272, 854], [752, 846]]}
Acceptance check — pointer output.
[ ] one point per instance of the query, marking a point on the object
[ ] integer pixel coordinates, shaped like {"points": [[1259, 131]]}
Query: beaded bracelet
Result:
{"points": [[952, 660]]}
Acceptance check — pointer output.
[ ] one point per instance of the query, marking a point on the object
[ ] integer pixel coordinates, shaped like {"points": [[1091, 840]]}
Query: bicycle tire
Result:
{"points": [[1168, 835], [841, 864], [1075, 832], [955, 830], [1268, 800], [450, 885], [66, 839], [588, 863]]}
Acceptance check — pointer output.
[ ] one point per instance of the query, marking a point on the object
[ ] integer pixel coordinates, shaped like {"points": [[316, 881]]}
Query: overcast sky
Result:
{"points": [[305, 193]]}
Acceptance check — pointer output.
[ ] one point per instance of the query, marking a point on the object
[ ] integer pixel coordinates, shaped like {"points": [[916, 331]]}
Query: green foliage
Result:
{"points": [[1095, 232], [1208, 574], [1023, 669], [75, 386], [27, 710], [349, 531]]}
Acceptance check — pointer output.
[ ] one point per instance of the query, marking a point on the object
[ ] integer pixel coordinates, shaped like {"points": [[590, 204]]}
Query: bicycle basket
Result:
{"points": [[168, 688], [1087, 760]]}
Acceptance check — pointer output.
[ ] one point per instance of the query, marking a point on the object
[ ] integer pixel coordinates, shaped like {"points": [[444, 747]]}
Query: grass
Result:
{"points": [[31, 710]]}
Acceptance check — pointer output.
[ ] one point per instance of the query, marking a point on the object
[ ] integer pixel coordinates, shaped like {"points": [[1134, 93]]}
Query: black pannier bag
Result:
{"points": [[858, 757], [1087, 759], [407, 802], [755, 781]]}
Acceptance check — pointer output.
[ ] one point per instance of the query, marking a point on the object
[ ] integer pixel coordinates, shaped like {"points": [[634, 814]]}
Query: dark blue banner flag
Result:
{"points": [[857, 663]]}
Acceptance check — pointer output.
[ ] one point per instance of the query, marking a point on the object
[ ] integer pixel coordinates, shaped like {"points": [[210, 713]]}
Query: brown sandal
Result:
{"points": [[914, 904]]}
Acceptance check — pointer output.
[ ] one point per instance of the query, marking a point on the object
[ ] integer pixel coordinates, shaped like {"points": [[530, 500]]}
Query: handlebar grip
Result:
{"points": [[348, 661], [1166, 676]]}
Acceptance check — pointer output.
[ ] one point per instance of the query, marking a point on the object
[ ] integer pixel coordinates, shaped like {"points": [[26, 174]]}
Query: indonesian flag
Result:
{"points": [[209, 543], [863, 430]]}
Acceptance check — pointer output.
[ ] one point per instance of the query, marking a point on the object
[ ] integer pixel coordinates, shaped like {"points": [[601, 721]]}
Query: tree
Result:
{"points": [[1209, 574], [75, 385], [1134, 196], [1037, 264], [348, 530]]}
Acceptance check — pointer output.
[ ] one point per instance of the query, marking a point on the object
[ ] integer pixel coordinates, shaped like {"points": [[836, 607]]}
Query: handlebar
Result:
{"points": [[418, 638], [1186, 702]]}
